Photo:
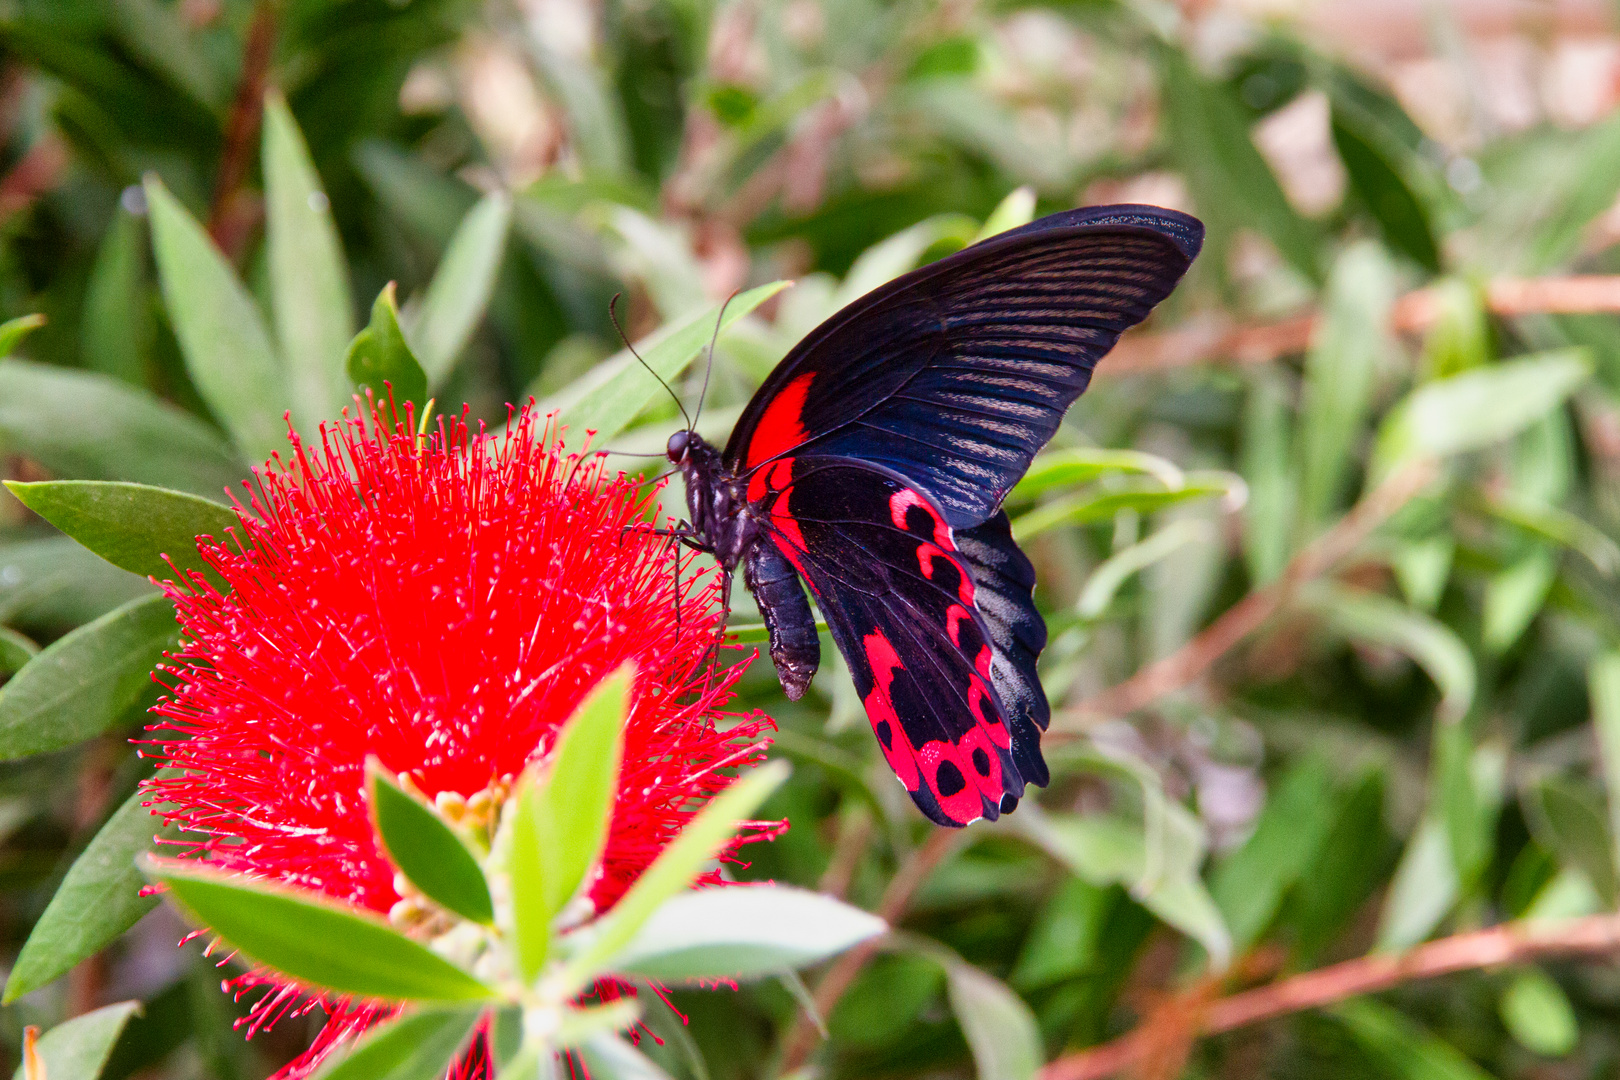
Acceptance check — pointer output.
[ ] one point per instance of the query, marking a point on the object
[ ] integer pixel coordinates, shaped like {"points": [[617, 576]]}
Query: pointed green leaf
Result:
{"points": [[999, 1028], [674, 870], [582, 777], [531, 837], [1401, 1047], [461, 286], [116, 328], [380, 359], [1339, 370], [78, 1049], [743, 932], [309, 278], [222, 335], [1476, 408], [1566, 817], [427, 850], [1091, 506], [13, 331], [132, 526], [98, 900], [607, 399], [1514, 596], [91, 427], [563, 817], [312, 939], [1603, 681], [417, 1046], [1081, 465], [79, 686]]}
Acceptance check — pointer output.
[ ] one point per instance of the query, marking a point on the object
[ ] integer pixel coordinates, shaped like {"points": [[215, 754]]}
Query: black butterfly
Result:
{"points": [[873, 463]]}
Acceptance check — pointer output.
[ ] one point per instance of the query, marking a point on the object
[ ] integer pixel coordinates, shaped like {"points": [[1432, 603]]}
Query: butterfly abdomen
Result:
{"points": [[795, 648]]}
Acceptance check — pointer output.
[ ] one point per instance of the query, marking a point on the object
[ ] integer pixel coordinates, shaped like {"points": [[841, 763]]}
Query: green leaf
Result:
{"points": [[1513, 598], [1112, 573], [1267, 437], [1376, 164], [98, 900], [13, 331], [674, 870], [309, 278], [1157, 859], [607, 399], [15, 651], [417, 1046], [1209, 132], [222, 335], [78, 1049], [1016, 209], [116, 327], [1249, 886], [1375, 618], [1566, 818], [1402, 1048], [80, 686], [563, 816], [743, 932], [1092, 506], [611, 1058], [156, 33], [1603, 683], [380, 359], [461, 286], [91, 427], [1538, 1015], [999, 1028], [1339, 369], [310, 938], [1081, 465], [1479, 407], [53, 585], [132, 526], [582, 779], [1423, 889], [427, 850], [1557, 525]]}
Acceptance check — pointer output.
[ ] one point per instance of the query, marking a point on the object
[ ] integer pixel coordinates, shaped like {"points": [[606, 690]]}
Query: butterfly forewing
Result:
{"points": [[957, 374]]}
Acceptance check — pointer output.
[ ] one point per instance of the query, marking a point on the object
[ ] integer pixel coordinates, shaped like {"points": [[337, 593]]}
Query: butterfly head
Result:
{"points": [[679, 448]]}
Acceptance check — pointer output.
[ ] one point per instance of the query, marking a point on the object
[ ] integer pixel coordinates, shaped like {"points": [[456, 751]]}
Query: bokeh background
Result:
{"points": [[1328, 550]]}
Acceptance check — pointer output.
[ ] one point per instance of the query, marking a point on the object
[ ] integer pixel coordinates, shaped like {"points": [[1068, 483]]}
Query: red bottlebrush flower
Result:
{"points": [[443, 605]]}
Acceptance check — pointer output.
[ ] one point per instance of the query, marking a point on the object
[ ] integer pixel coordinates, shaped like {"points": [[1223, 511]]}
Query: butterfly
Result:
{"points": [[872, 464]]}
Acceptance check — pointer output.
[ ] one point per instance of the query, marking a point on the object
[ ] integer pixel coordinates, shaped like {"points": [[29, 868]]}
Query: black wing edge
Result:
{"points": [[1004, 585]]}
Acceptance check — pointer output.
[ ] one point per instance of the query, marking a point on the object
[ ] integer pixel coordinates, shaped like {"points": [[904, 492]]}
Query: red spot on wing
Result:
{"points": [[953, 622], [963, 803], [904, 500], [780, 429], [879, 703]]}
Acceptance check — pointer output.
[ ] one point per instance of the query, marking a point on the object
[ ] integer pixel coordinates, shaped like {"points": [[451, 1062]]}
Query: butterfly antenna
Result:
{"points": [[708, 368], [614, 315]]}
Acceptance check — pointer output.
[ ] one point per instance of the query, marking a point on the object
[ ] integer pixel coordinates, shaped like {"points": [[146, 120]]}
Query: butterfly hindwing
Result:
{"points": [[956, 374], [903, 605]]}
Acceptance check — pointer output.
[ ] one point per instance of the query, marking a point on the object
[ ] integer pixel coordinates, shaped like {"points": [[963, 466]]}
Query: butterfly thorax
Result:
{"points": [[715, 501], [723, 523]]}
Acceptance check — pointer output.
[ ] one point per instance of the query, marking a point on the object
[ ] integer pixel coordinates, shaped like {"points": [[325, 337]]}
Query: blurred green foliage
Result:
{"points": [[205, 198]]}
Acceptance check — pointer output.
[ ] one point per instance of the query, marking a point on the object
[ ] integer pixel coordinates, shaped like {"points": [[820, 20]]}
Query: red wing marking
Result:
{"points": [[953, 622], [891, 734], [780, 429], [903, 500]]}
